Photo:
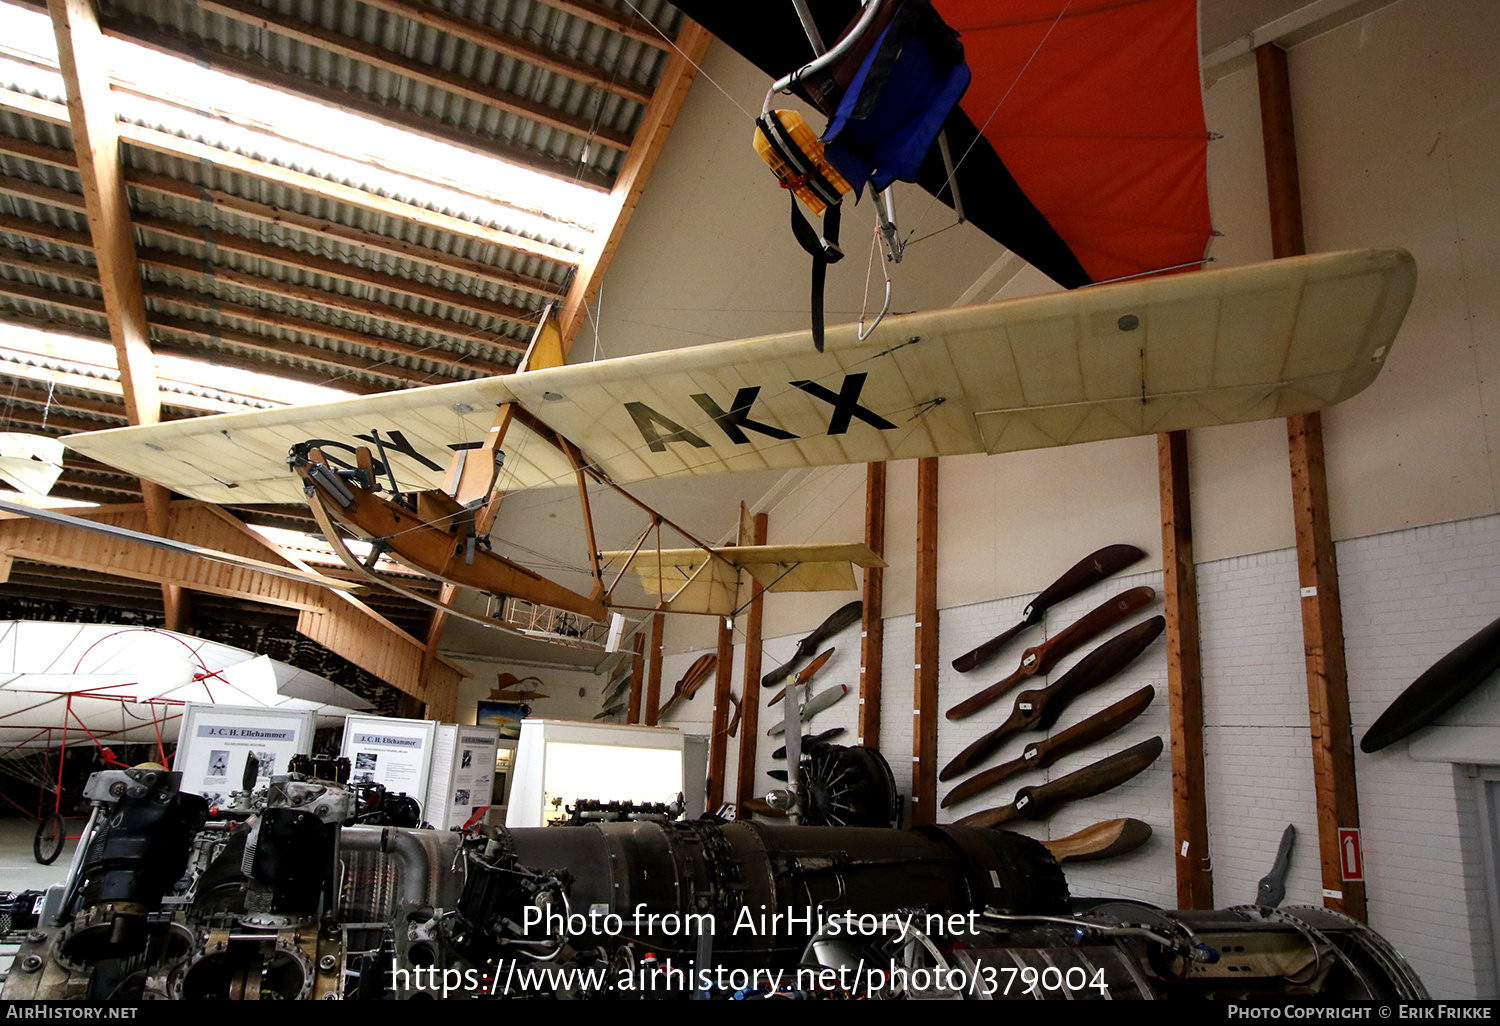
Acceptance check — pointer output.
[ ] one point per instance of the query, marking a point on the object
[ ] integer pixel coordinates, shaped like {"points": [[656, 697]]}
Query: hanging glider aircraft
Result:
{"points": [[1079, 142], [1082, 156], [1135, 358]]}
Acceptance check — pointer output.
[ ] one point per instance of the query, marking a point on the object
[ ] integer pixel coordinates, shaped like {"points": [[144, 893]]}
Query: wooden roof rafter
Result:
{"points": [[309, 364], [515, 46], [276, 174], [385, 60], [628, 25], [446, 264], [229, 242], [86, 274], [381, 113], [91, 119]]}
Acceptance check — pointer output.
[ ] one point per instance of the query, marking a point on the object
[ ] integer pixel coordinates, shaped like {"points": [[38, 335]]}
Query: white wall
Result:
{"points": [[1409, 597], [1399, 144], [1398, 121]]}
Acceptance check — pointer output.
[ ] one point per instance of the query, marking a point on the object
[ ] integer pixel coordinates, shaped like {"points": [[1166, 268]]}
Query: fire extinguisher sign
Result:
{"points": [[1351, 855]]}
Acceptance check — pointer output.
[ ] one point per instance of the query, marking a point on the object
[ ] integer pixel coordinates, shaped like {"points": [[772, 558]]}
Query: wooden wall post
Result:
{"points": [[1317, 567], [1195, 880], [872, 639], [653, 675], [744, 784], [718, 738], [637, 685], [925, 706]]}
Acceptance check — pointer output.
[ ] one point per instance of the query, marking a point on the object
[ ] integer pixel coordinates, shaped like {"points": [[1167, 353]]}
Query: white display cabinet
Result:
{"points": [[560, 761]]}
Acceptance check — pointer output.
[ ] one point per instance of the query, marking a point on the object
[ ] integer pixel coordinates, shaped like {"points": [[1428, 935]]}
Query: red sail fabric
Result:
{"points": [[1095, 107]]}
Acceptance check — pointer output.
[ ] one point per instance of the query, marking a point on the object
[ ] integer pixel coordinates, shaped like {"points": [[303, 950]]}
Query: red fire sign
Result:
{"points": [[1351, 855]]}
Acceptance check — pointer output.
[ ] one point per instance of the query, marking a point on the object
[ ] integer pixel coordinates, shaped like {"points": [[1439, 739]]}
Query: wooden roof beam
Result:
{"points": [[270, 318], [314, 365], [640, 160], [56, 423], [204, 301], [356, 103], [121, 489], [515, 46], [336, 192], [232, 243], [252, 71], [91, 119], [176, 188], [629, 25], [419, 290], [341, 623], [439, 78], [419, 322], [16, 393], [195, 267]]}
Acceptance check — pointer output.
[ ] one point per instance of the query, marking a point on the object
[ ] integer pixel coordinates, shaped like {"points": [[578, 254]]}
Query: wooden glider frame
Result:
{"points": [[433, 533], [444, 533]]}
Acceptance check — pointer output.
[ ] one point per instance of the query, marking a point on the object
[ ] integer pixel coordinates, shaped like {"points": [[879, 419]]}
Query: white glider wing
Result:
{"points": [[1135, 358]]}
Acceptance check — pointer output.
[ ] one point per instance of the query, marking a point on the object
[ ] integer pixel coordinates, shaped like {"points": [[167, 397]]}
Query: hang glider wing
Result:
{"points": [[1080, 144], [691, 580], [30, 463], [1135, 358]]}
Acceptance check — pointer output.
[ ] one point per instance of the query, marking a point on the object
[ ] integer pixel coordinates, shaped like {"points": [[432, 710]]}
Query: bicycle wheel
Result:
{"points": [[51, 832]]}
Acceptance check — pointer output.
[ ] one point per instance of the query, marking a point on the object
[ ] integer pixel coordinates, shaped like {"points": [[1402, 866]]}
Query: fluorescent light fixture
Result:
{"points": [[379, 158]]}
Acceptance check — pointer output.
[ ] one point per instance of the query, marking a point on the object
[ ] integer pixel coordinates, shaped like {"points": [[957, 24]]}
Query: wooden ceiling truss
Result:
{"points": [[344, 286]]}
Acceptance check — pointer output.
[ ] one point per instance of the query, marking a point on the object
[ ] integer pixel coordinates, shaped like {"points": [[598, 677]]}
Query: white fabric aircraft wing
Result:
{"points": [[1192, 350]]}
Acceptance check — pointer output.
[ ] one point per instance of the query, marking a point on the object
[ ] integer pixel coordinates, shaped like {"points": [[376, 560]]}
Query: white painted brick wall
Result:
{"points": [[1409, 597], [1145, 874]]}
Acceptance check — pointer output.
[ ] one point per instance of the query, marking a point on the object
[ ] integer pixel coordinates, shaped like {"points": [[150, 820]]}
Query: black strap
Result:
{"points": [[824, 250], [786, 149]]}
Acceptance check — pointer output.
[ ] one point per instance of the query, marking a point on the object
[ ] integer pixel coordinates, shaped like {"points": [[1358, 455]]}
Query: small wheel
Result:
{"points": [[47, 845]]}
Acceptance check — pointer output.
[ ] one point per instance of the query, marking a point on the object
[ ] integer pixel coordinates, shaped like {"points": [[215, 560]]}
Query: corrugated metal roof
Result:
{"points": [[374, 318], [388, 35]]}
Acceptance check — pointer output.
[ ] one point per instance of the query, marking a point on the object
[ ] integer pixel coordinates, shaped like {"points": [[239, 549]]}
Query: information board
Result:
{"points": [[216, 741], [463, 773], [396, 753]]}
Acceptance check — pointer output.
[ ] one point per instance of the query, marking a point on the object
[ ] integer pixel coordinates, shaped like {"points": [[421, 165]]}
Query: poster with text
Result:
{"points": [[216, 743], [392, 752]]}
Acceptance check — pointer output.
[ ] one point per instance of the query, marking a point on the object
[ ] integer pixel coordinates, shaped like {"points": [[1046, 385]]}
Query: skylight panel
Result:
{"points": [[57, 358], [334, 143], [314, 548]]}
